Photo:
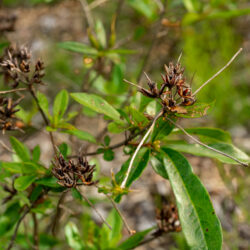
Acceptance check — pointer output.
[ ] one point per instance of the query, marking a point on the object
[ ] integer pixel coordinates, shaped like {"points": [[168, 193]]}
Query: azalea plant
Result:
{"points": [[146, 113]]}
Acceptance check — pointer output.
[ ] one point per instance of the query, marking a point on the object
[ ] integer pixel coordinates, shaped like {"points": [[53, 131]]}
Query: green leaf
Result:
{"points": [[33, 168], [162, 129], [44, 104], [20, 149], [60, 104], [12, 167], [213, 133], [145, 7], [139, 165], [100, 33], [36, 153], [228, 13], [200, 225], [97, 104], [73, 237], [64, 149], [137, 117], [78, 47], [112, 236], [76, 194], [158, 165], [48, 182], [36, 193], [108, 155], [23, 182], [191, 5], [116, 128], [199, 150], [106, 140], [82, 135], [134, 240], [197, 110]]}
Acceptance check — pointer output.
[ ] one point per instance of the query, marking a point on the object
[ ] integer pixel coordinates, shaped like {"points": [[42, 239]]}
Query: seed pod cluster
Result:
{"points": [[168, 219], [8, 120], [173, 92], [71, 174], [16, 66]]}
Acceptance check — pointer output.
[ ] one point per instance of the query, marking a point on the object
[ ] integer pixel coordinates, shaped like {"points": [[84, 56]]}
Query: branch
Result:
{"points": [[204, 145], [117, 145], [138, 148], [216, 74], [17, 227], [35, 232], [130, 231], [87, 12], [32, 92], [93, 207], [12, 91]]}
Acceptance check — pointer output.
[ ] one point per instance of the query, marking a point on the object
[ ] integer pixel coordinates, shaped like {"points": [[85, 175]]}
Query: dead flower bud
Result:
{"points": [[174, 92], [168, 219], [71, 174], [16, 65], [8, 109]]}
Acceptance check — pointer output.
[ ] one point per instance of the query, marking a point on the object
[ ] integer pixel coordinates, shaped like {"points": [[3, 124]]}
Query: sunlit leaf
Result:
{"points": [[23, 182], [78, 47], [97, 104], [200, 225], [20, 149], [82, 135], [199, 150]]}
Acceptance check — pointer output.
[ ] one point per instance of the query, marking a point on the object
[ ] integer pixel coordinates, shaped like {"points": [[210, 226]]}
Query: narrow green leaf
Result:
{"points": [[113, 236], [82, 135], [145, 7], [48, 182], [134, 240], [100, 33], [158, 165], [199, 150], [33, 168], [78, 47], [162, 129], [197, 110], [123, 51], [20, 149], [116, 128], [73, 237], [43, 102], [23, 182], [97, 104], [200, 225], [36, 153], [139, 165], [60, 104], [12, 167], [213, 133]]}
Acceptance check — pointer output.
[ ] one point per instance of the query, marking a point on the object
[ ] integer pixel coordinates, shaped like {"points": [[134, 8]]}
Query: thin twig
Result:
{"points": [[204, 145], [17, 227], [12, 91], [32, 92], [35, 232], [58, 212], [117, 145], [6, 147], [130, 231], [87, 12], [93, 207], [96, 3], [138, 148], [216, 74]]}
